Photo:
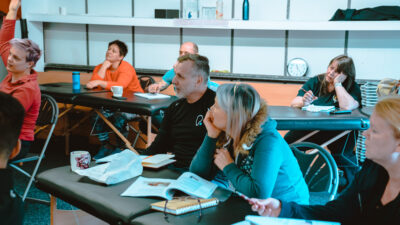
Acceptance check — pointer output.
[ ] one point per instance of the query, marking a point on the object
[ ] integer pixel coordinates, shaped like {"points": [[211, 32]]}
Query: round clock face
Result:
{"points": [[297, 67]]}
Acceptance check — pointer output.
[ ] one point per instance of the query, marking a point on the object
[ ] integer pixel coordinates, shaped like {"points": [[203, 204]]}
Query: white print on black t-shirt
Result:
{"points": [[199, 120]]}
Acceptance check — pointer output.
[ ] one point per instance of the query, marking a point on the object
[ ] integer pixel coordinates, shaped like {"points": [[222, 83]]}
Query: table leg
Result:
{"points": [[335, 138], [116, 131], [307, 136], [149, 137]]}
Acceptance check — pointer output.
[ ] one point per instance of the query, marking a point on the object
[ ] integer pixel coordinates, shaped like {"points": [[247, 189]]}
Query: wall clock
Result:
{"points": [[297, 67]]}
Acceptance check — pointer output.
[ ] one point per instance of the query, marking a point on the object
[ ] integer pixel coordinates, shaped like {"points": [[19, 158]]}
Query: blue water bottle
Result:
{"points": [[76, 80], [245, 10]]}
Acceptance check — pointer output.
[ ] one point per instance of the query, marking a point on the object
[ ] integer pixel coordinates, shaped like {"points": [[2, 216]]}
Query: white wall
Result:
{"points": [[375, 54]]}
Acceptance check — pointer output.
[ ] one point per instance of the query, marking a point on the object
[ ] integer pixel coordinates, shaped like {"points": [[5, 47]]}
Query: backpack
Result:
{"points": [[377, 13]]}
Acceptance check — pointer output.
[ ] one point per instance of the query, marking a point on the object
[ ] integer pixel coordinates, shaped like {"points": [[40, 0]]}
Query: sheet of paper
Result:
{"points": [[159, 165], [152, 96], [318, 108], [143, 187], [154, 159], [120, 167], [262, 220], [192, 184]]}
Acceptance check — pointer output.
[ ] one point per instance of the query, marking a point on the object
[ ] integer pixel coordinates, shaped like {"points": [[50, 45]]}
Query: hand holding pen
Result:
{"points": [[308, 97]]}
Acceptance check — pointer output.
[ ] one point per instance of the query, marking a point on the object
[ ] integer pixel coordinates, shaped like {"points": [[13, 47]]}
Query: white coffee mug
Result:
{"points": [[117, 91], [80, 160]]}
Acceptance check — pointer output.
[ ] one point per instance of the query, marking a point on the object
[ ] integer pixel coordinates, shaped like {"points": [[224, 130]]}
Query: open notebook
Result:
{"points": [[188, 183]]}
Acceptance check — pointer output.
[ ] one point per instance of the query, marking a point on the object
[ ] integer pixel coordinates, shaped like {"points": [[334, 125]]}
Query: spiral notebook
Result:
{"points": [[184, 204]]}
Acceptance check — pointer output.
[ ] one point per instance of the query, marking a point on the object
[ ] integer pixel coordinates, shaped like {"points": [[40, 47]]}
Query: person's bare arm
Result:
{"points": [[157, 87], [297, 102], [306, 99], [346, 101], [13, 9], [102, 71]]}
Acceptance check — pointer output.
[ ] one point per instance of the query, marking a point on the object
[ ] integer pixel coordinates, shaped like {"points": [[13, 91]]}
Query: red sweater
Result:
{"points": [[124, 76], [26, 90]]}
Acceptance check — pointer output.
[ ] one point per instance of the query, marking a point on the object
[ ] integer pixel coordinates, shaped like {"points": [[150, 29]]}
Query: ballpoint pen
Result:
{"points": [[305, 90], [312, 94], [242, 195]]}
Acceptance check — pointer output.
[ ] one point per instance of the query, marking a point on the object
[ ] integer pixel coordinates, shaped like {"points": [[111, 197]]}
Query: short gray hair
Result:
{"points": [[241, 102], [31, 48], [201, 65]]}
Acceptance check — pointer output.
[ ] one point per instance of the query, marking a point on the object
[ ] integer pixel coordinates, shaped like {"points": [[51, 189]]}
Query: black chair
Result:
{"points": [[48, 115], [145, 82], [319, 170]]}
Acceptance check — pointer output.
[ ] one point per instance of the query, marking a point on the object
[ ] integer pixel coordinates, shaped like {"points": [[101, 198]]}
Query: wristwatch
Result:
{"points": [[338, 84]]}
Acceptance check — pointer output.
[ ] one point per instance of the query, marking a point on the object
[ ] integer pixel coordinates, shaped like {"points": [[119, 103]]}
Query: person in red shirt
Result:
{"points": [[113, 72], [20, 56]]}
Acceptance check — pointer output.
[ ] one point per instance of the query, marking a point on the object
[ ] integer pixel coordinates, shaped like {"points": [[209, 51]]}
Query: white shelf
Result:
{"points": [[219, 24]]}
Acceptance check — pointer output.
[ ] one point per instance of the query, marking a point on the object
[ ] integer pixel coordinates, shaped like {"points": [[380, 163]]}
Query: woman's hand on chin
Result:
{"points": [[212, 130], [340, 78]]}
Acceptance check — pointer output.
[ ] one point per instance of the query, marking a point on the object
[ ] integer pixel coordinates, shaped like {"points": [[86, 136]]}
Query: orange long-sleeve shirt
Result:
{"points": [[124, 76]]}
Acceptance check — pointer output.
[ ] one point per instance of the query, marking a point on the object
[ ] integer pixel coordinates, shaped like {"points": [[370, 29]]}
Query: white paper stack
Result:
{"points": [[318, 108], [157, 161], [152, 96]]}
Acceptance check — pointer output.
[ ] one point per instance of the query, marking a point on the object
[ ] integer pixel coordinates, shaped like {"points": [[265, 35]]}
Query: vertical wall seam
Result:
{"points": [[180, 36], [232, 43], [233, 9], [346, 33], [133, 35], [44, 43], [87, 35], [285, 61], [181, 9]]}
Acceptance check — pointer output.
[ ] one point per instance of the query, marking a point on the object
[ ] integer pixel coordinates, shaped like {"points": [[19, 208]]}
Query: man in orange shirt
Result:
{"points": [[113, 72]]}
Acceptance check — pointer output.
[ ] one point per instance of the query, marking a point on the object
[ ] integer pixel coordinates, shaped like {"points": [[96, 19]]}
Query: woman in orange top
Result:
{"points": [[113, 72]]}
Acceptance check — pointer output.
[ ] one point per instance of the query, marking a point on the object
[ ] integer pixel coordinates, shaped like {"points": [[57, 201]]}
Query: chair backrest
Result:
{"points": [[48, 115], [318, 167], [146, 81], [48, 111]]}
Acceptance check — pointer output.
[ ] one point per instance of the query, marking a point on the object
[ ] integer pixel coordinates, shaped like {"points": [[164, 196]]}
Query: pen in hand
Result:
{"points": [[305, 91], [242, 196], [311, 93]]}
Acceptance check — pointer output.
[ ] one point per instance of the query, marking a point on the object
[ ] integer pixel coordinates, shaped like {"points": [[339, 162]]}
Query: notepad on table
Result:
{"points": [[184, 204], [318, 108], [152, 96], [157, 161]]}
